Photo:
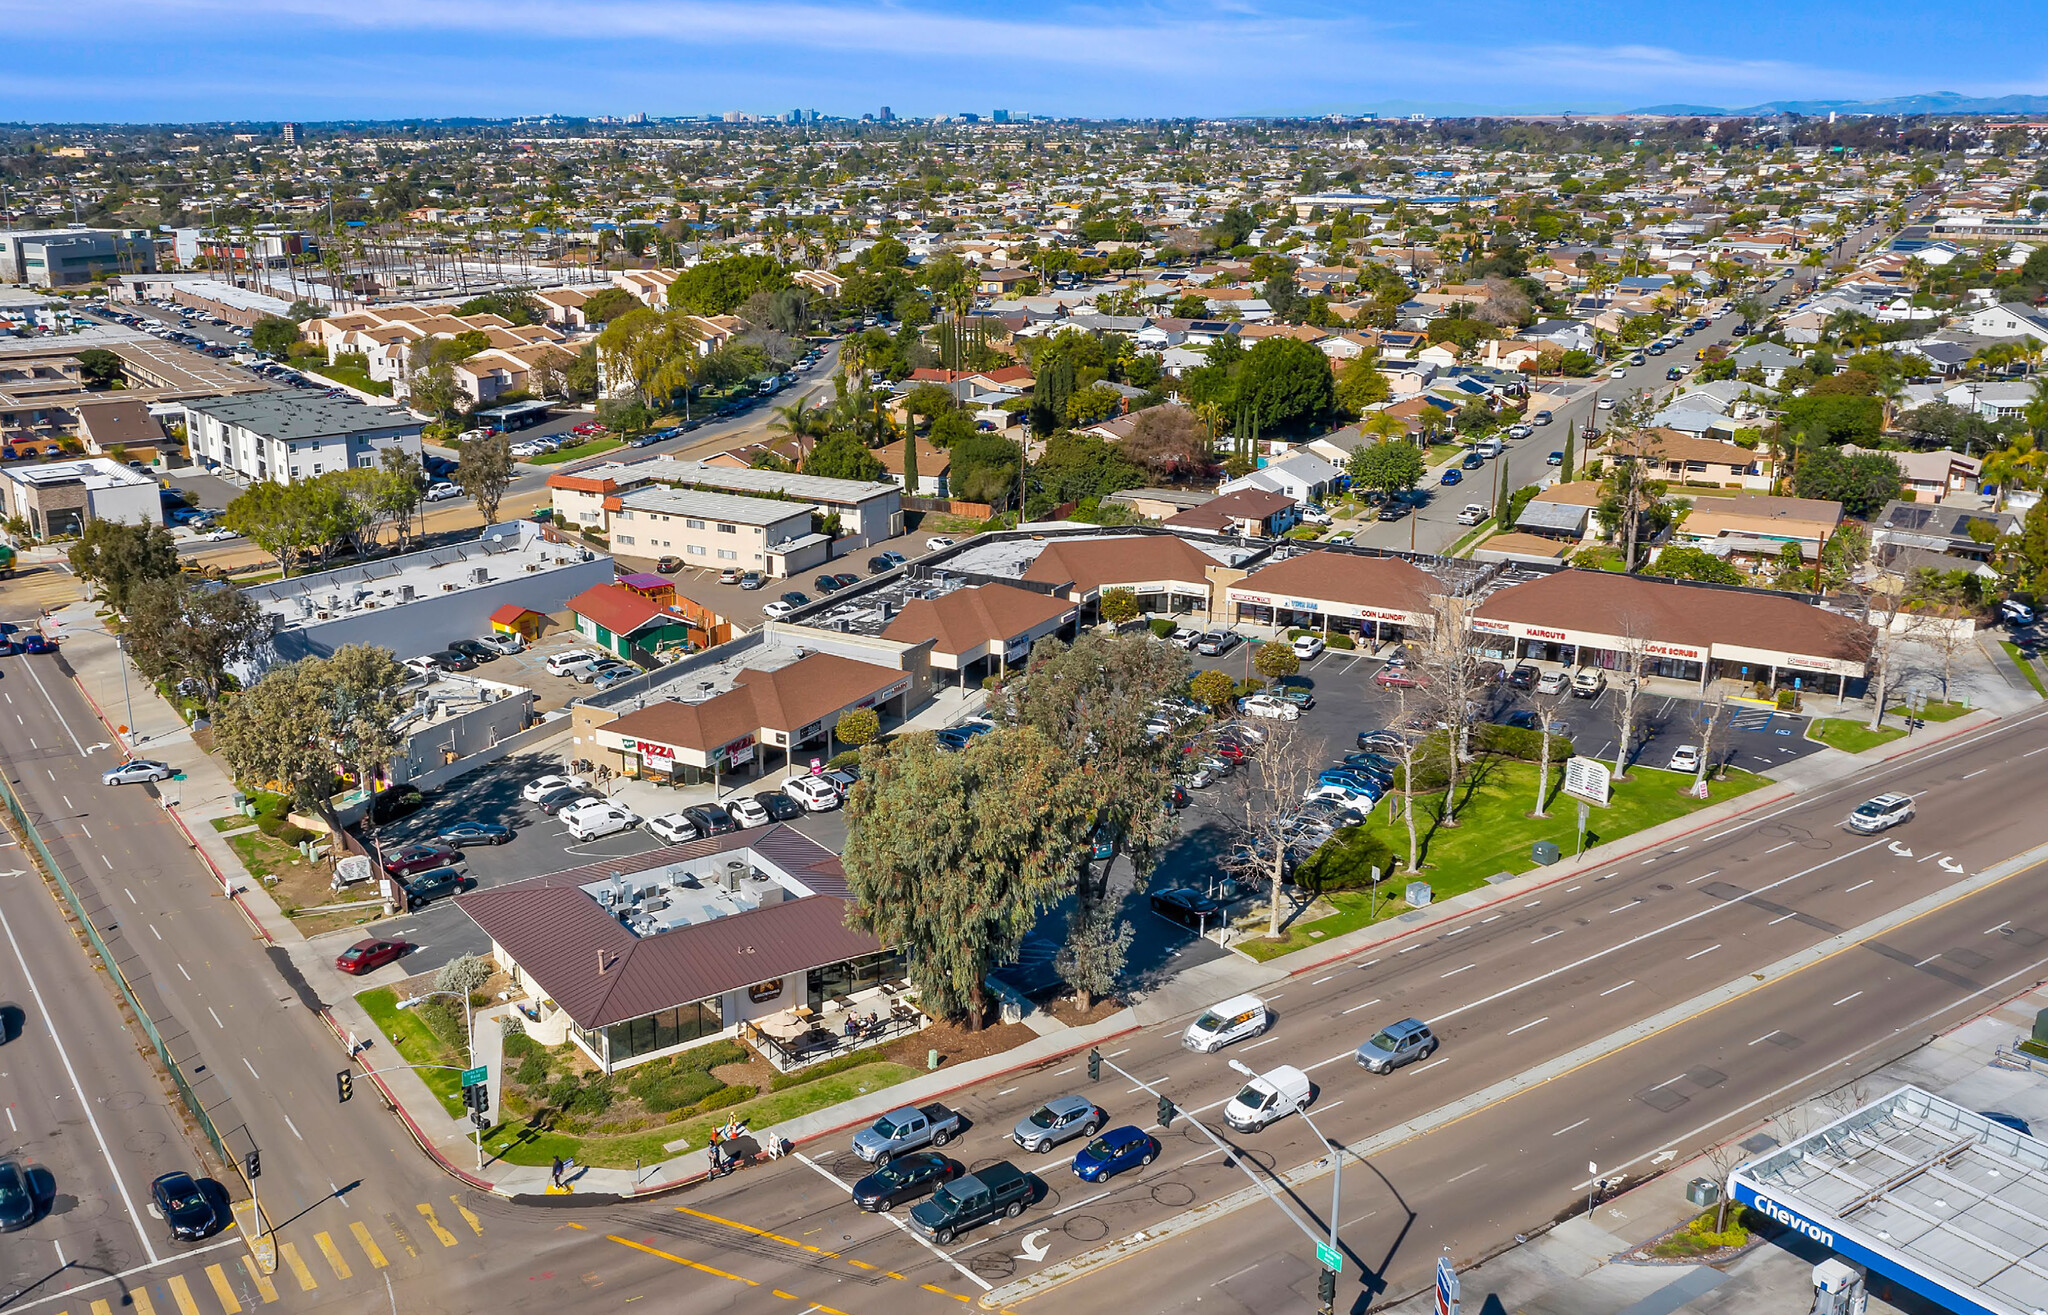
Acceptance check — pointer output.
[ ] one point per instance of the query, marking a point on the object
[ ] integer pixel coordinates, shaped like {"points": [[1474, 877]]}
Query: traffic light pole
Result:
{"points": [[1229, 1152]]}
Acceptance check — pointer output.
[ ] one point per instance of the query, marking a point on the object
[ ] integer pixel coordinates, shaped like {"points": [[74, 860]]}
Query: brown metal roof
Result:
{"points": [[579, 956], [1674, 612], [1090, 564], [968, 618], [1342, 577]]}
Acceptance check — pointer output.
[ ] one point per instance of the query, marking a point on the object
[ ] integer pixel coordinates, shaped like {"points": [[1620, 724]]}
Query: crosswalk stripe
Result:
{"points": [[476, 1225], [427, 1213], [404, 1238], [368, 1244], [219, 1278], [183, 1296], [333, 1254], [264, 1287], [290, 1252], [143, 1305], [102, 1308]]}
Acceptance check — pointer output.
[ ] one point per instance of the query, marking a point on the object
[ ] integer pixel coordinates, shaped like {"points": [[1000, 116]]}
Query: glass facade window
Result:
{"points": [[670, 1027], [851, 976]]}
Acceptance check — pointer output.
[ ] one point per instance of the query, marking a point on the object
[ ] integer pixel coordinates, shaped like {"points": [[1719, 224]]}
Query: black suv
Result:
{"points": [[711, 820], [439, 883]]}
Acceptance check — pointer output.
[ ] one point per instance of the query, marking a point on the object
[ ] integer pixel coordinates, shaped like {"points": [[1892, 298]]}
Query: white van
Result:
{"points": [[600, 817], [1267, 1097], [1235, 1019]]}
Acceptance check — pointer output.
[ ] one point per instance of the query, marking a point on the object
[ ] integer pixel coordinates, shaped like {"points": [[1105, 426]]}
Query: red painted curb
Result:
{"points": [[419, 1137]]}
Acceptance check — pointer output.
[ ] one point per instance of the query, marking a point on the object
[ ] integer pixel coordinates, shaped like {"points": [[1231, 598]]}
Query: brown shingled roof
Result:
{"points": [[1342, 577], [1605, 603], [1091, 564], [968, 618], [559, 935]]}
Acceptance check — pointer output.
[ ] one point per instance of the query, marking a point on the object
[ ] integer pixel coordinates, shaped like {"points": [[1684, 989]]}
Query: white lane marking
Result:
{"points": [[2031, 752], [1522, 986], [1709, 950], [1532, 903], [1433, 1063], [67, 800], [1320, 980], [1929, 959], [1275, 995], [1005, 1091], [1569, 889], [1495, 918], [1467, 1174], [108, 861], [88, 833], [1214, 1150], [1256, 1044], [1714, 872], [1078, 1204], [904, 1228], [1623, 987], [1407, 948], [57, 1040], [252, 1069], [154, 932], [181, 969], [1626, 907], [216, 1019], [1786, 918], [12, 1126], [1766, 1036], [1114, 1053], [1156, 1081], [295, 1130], [1979, 772], [129, 893], [76, 742], [1063, 1072], [1367, 1005], [1775, 848], [1568, 1127], [1667, 1082], [1455, 971], [1367, 964], [1859, 886], [1457, 932], [1546, 936], [1526, 1026], [1844, 1000], [2000, 927], [331, 1184]]}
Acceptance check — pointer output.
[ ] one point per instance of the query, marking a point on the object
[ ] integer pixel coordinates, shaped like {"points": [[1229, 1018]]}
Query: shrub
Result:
{"points": [[465, 974], [1163, 626], [591, 1097], [1338, 639], [1346, 861], [295, 836], [664, 1089], [844, 758], [1788, 700], [1519, 742], [725, 1096]]}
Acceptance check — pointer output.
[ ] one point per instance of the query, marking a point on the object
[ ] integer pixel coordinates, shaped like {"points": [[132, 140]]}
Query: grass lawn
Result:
{"points": [[1937, 711], [1494, 835], [590, 449], [354, 378], [416, 1043], [2012, 651], [1851, 736]]}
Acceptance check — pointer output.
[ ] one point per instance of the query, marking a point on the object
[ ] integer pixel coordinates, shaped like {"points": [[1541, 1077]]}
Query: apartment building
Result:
{"points": [[285, 436], [719, 530]]}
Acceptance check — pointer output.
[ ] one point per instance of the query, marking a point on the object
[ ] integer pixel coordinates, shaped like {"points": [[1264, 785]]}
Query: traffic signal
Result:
{"points": [[252, 1165], [344, 1085], [477, 1099], [1094, 1065], [1326, 1288], [1166, 1111]]}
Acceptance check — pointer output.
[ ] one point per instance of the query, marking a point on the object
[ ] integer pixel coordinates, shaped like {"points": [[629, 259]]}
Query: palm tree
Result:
{"points": [[1382, 426], [798, 420], [2020, 462]]}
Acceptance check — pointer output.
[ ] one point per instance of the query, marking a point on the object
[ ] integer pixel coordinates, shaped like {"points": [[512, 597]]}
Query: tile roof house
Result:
{"points": [[637, 958], [1155, 567]]}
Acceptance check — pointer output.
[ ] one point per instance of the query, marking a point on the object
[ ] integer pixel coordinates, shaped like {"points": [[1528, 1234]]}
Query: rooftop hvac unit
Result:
{"points": [[734, 871], [405, 593], [479, 575]]}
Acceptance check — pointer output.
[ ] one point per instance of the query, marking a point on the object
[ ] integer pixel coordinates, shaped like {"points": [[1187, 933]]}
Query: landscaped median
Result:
{"points": [[554, 1102], [1494, 834]]}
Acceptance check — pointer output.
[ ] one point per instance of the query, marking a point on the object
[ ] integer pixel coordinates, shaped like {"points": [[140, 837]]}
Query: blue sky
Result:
{"points": [[183, 60]]}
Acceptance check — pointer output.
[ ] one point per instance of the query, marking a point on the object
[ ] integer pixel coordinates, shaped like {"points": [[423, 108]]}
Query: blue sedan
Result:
{"points": [[1113, 1152], [1452, 476]]}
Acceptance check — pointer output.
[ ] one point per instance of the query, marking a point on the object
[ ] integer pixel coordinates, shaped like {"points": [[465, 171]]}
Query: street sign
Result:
{"points": [[475, 1076], [1446, 1287], [1330, 1258], [1588, 779]]}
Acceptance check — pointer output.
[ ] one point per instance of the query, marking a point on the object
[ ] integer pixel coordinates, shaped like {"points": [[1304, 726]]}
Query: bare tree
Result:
{"points": [[1409, 790], [1269, 785], [1450, 662], [1635, 648], [1889, 625], [1546, 723], [1710, 717]]}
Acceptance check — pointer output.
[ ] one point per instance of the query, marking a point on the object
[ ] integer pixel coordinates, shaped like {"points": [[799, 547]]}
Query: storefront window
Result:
{"points": [[851, 976], [670, 1027]]}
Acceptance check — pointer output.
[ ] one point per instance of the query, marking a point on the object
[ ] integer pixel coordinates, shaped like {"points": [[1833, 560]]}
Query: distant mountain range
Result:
{"points": [[1940, 102]]}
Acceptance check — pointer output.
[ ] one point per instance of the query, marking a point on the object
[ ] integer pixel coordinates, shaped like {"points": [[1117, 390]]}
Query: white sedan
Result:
{"points": [[220, 534], [1685, 758], [1606, 404], [1271, 708], [1308, 647], [546, 785], [136, 771]]}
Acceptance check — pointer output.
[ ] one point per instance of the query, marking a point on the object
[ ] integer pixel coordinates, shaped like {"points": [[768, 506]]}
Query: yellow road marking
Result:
{"points": [[929, 1288], [701, 1269], [219, 1278], [368, 1244], [404, 1238], [757, 1232], [786, 1296], [143, 1305], [475, 1225], [264, 1287], [335, 1259], [290, 1252], [102, 1308], [183, 1295], [857, 1264], [427, 1213], [901, 1278]]}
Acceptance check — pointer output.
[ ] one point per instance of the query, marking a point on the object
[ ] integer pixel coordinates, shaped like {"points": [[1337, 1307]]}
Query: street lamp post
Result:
{"points": [[1336, 1151], [469, 1031]]}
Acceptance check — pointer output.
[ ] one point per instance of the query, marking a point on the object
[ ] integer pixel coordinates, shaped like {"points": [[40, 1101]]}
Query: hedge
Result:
{"points": [[785, 1081], [1519, 742], [1162, 627], [1335, 639]]}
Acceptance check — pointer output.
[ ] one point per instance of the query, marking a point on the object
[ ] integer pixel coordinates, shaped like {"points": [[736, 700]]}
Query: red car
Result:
{"points": [[418, 858], [364, 956], [1398, 678]]}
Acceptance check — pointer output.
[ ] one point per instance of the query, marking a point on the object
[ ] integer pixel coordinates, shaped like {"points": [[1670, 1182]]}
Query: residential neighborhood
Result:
{"points": [[854, 711]]}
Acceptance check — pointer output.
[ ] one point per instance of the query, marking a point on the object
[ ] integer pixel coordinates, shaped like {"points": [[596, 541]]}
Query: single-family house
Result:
{"points": [[1688, 459]]}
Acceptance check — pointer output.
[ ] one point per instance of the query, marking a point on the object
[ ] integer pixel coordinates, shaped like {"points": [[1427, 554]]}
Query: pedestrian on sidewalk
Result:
{"points": [[555, 1172]]}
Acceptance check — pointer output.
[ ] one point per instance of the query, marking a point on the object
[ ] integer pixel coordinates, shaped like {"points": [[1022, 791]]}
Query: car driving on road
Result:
{"points": [[136, 771], [1881, 813], [1061, 1119]]}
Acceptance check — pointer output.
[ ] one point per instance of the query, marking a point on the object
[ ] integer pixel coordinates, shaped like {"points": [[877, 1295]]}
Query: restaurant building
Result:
{"points": [[1377, 598]]}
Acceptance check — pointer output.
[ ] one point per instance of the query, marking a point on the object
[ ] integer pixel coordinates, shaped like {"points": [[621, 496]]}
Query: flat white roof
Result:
{"points": [[93, 472]]}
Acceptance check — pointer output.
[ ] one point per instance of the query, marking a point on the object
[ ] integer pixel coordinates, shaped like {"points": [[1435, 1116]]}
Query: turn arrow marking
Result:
{"points": [[1033, 1248], [95, 748], [1948, 864], [1900, 850]]}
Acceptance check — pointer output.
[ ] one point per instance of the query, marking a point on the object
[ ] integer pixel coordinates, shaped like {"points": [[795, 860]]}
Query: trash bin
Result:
{"points": [[1418, 894], [931, 1059], [1703, 1192], [1544, 852]]}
